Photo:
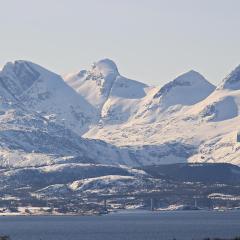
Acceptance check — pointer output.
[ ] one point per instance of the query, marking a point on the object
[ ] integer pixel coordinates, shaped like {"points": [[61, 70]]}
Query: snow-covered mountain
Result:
{"points": [[95, 85], [28, 139], [187, 89], [116, 98], [32, 132], [188, 119], [90, 134], [232, 81], [46, 93], [99, 116]]}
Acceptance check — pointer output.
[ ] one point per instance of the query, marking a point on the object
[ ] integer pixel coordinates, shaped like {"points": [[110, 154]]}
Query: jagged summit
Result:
{"points": [[105, 73], [96, 83], [232, 81], [17, 63], [102, 69], [20, 75], [106, 67], [18, 66], [41, 90], [114, 96], [21, 67]]}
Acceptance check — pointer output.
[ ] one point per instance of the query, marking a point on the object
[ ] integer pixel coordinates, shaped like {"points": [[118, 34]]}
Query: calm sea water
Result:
{"points": [[124, 226]]}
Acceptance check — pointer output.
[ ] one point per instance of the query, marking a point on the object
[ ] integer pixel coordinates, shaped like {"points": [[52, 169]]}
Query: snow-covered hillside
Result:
{"points": [[28, 139], [187, 89], [188, 119], [232, 81], [46, 93], [95, 85], [71, 144], [99, 116], [32, 131], [116, 98]]}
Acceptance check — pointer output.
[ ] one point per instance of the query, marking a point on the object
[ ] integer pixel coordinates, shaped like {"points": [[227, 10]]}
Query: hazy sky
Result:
{"points": [[150, 40]]}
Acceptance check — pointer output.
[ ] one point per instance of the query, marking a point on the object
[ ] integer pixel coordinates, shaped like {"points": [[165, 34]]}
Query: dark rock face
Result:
{"points": [[202, 172], [232, 81]]}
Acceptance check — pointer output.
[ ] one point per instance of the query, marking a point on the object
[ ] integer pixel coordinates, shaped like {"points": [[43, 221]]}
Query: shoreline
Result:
{"points": [[121, 211]]}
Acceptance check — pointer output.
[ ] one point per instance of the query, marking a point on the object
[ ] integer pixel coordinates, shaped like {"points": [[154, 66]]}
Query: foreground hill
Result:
{"points": [[81, 188], [203, 172]]}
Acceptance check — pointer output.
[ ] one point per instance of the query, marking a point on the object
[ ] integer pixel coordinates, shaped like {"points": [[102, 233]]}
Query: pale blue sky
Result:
{"points": [[150, 40]]}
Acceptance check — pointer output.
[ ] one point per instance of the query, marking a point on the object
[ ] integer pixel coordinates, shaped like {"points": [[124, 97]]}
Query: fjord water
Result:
{"points": [[183, 225]]}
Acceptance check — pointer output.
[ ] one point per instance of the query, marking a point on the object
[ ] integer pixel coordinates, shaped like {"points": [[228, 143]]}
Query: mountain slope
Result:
{"points": [[95, 85], [116, 97], [28, 139], [185, 120], [187, 89], [45, 92], [188, 111], [31, 129], [232, 81]]}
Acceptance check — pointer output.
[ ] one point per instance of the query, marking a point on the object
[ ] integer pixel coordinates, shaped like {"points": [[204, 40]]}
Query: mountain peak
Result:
{"points": [[16, 66], [193, 72], [187, 89], [188, 79], [232, 81], [191, 76], [106, 67], [96, 83], [18, 76]]}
